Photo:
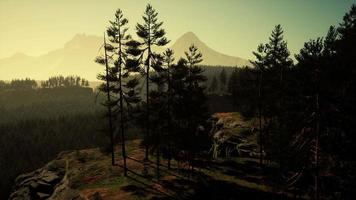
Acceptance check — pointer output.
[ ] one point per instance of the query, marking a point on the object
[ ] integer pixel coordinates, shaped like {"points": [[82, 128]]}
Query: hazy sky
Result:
{"points": [[234, 27]]}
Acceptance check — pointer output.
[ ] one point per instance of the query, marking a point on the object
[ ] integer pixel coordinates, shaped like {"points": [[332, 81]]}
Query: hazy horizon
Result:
{"points": [[231, 27]]}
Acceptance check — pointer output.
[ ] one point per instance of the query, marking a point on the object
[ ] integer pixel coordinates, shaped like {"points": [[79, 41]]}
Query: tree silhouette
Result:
{"points": [[119, 82], [64, 82], [168, 60], [108, 89], [151, 34], [196, 114], [223, 80], [213, 85], [260, 66], [274, 62]]}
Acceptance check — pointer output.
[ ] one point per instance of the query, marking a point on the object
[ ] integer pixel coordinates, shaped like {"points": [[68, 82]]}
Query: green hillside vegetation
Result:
{"points": [[90, 173]]}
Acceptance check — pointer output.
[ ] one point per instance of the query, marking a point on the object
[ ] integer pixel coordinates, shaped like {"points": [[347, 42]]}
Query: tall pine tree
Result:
{"points": [[121, 59], [151, 34]]}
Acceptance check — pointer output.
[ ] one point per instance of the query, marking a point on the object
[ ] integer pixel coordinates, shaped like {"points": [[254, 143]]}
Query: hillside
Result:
{"points": [[77, 58], [88, 174]]}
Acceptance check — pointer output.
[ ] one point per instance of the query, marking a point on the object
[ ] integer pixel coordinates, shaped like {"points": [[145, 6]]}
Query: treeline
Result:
{"points": [[52, 82], [68, 81], [306, 110], [17, 84]]}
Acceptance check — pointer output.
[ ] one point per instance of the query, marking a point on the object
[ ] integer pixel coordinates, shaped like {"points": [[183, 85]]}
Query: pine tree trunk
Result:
{"points": [[157, 159], [169, 118], [169, 159], [260, 117], [109, 106], [147, 92], [122, 113], [317, 130], [279, 116], [147, 105]]}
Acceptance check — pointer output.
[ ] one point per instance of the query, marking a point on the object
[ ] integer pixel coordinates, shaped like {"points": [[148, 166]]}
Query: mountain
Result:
{"points": [[210, 56], [77, 58]]}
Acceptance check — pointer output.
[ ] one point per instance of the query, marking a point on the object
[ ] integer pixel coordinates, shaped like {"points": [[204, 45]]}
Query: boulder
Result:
{"points": [[232, 136], [51, 178], [21, 194], [38, 184], [49, 182], [42, 195]]}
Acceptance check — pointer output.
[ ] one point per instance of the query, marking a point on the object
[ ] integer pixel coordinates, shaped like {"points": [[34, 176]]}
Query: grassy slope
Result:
{"points": [[90, 172]]}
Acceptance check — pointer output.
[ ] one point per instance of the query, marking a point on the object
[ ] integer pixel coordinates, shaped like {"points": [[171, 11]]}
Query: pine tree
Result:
{"points": [[260, 66], [108, 89], [168, 60], [328, 69], [122, 60], [223, 80], [310, 63], [213, 85], [277, 58], [232, 87], [232, 81], [151, 35], [276, 61], [157, 102], [195, 103]]}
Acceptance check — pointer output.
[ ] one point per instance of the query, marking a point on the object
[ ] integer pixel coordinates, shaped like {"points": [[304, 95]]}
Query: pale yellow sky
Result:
{"points": [[234, 27]]}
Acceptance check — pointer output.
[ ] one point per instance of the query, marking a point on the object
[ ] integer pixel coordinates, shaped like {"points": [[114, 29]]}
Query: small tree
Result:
{"points": [[233, 85], [213, 85], [223, 80], [260, 66], [168, 60]]}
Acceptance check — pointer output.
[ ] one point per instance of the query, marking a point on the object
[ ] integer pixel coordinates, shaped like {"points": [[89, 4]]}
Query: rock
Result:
{"points": [[42, 187], [244, 152], [51, 178], [39, 184], [26, 179], [23, 177], [42, 195], [63, 191], [21, 194], [232, 136], [49, 182]]}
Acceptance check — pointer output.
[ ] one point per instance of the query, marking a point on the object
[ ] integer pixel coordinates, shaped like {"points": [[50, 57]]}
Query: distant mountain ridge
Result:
{"points": [[77, 58]]}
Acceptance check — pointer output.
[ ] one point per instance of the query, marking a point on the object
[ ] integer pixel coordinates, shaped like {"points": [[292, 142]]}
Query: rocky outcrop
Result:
{"points": [[49, 182], [233, 136]]}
